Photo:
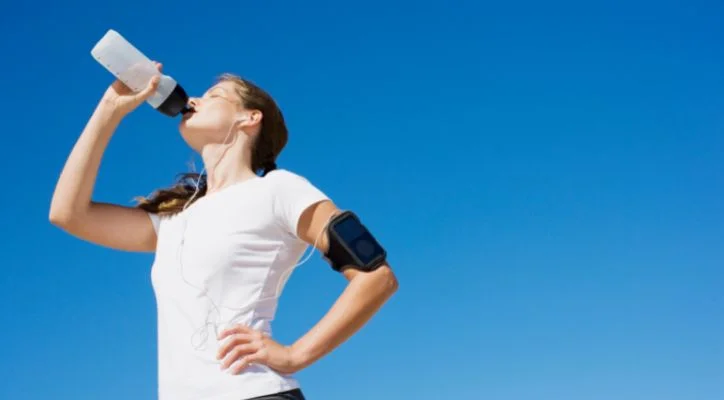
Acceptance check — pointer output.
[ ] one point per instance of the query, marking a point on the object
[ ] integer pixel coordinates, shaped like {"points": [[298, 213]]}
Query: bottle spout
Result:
{"points": [[187, 109], [176, 102]]}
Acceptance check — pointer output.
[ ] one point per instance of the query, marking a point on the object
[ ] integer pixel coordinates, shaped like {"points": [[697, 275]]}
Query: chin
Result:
{"points": [[190, 128]]}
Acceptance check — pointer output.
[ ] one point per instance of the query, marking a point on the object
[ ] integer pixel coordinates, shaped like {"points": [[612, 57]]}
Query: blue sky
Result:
{"points": [[547, 178]]}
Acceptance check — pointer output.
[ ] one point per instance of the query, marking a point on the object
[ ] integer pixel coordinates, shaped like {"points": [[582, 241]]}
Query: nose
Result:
{"points": [[190, 105]]}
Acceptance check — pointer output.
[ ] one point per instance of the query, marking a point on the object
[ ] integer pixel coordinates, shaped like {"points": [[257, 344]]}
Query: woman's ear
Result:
{"points": [[250, 118], [255, 117]]}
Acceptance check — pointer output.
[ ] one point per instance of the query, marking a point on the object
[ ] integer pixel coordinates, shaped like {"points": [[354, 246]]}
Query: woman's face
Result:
{"points": [[215, 114]]}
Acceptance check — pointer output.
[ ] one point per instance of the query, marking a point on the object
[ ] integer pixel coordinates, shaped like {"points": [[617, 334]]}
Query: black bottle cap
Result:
{"points": [[176, 102]]}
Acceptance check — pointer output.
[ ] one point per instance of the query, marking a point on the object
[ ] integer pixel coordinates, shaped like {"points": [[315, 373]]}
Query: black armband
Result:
{"points": [[351, 245]]}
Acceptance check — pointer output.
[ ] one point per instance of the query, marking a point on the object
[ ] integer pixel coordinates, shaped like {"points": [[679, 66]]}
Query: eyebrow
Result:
{"points": [[213, 89]]}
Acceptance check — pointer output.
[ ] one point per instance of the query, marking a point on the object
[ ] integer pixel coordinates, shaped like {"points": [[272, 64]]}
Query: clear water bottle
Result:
{"points": [[134, 69]]}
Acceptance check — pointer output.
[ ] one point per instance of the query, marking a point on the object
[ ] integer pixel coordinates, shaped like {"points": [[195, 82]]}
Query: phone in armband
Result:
{"points": [[351, 245]]}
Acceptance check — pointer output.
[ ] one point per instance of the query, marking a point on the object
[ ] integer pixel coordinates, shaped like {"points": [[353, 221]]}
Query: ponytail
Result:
{"points": [[173, 199], [268, 167]]}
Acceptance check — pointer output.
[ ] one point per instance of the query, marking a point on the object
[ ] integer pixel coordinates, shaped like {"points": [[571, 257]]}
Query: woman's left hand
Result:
{"points": [[243, 346]]}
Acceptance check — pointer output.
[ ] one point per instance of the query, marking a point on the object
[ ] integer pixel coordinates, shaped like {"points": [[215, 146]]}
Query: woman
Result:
{"points": [[224, 246]]}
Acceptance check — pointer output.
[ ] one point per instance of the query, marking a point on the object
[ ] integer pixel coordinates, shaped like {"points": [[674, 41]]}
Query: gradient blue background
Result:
{"points": [[547, 178]]}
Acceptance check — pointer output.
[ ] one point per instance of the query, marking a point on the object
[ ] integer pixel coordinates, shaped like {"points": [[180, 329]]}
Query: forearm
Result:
{"points": [[74, 188], [363, 296]]}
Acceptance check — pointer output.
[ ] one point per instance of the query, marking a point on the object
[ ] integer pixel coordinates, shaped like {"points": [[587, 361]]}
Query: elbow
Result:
{"points": [[394, 285], [59, 214], [390, 282], [62, 216], [381, 281], [59, 218], [65, 214]]}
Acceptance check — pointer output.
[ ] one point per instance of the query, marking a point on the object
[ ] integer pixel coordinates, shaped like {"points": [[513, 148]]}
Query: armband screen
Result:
{"points": [[351, 244]]}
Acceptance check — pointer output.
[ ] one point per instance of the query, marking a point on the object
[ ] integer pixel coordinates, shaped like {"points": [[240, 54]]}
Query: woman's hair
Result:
{"points": [[268, 144]]}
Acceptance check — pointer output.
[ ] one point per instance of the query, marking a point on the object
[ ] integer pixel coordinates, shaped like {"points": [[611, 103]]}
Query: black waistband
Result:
{"points": [[294, 394]]}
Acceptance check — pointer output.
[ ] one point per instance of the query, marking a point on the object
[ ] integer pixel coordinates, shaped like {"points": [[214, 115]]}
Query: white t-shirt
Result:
{"points": [[223, 261]]}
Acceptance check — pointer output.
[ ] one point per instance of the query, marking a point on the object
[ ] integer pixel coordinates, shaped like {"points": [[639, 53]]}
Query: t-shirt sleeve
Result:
{"points": [[155, 220], [293, 194]]}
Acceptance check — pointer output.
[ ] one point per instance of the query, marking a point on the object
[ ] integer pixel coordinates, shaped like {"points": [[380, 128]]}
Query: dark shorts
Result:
{"points": [[294, 394]]}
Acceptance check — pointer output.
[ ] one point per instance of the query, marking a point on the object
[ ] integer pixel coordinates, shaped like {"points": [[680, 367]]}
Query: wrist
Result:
{"points": [[108, 111], [298, 358]]}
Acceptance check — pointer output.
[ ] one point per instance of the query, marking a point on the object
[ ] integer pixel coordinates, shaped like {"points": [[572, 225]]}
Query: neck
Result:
{"points": [[225, 164]]}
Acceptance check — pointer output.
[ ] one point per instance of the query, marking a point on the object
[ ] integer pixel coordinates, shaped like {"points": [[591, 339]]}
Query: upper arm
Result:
{"points": [[312, 228], [114, 226], [313, 222], [305, 212]]}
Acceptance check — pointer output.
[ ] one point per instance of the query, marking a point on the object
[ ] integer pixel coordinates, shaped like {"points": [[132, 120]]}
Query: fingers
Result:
{"points": [[241, 352], [239, 339], [152, 85], [148, 90], [236, 329], [245, 362], [243, 347]]}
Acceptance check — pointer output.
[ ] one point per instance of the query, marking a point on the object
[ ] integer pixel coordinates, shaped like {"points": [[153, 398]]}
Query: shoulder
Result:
{"points": [[292, 195], [286, 180], [282, 175]]}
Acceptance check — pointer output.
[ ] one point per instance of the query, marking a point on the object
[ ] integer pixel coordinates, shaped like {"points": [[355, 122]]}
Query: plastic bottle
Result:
{"points": [[134, 69]]}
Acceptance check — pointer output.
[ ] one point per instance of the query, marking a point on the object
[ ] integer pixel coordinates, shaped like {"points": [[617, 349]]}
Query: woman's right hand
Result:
{"points": [[122, 100]]}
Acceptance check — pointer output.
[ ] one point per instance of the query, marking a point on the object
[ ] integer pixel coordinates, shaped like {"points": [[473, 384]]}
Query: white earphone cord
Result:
{"points": [[202, 333]]}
